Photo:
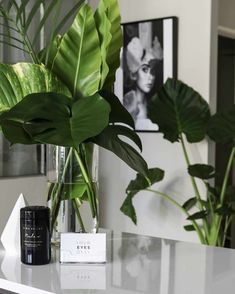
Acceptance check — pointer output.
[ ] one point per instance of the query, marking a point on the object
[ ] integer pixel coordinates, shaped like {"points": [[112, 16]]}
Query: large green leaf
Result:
{"points": [[22, 79], [201, 171], [108, 21], [178, 109], [118, 113], [55, 119], [140, 183], [221, 127], [109, 139], [78, 59]]}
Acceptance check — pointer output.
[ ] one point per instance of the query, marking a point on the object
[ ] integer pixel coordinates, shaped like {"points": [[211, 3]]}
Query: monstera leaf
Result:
{"points": [[77, 60], [107, 19], [21, 79], [109, 139], [221, 127], [118, 113], [178, 109], [154, 175], [55, 119]]}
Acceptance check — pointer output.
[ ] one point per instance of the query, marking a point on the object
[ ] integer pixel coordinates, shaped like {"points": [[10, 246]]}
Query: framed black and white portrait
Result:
{"points": [[149, 57]]}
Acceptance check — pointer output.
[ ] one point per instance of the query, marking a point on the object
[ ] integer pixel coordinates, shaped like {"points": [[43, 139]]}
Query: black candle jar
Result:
{"points": [[35, 235]]}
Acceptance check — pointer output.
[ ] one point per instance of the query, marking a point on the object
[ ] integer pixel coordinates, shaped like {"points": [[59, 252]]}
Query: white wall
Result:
{"points": [[33, 188], [156, 216]]}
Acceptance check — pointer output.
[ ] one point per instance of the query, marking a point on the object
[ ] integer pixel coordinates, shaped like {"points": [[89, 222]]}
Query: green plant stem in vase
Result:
{"points": [[73, 188]]}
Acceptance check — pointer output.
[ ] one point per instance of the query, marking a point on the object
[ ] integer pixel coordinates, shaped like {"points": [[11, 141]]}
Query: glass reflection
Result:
{"points": [[137, 263]]}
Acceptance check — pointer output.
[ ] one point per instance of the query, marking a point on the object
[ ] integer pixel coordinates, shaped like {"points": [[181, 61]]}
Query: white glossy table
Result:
{"points": [[136, 264]]}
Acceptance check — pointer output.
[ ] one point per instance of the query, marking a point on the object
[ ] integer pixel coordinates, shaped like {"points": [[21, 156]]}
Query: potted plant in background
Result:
{"points": [[183, 115], [64, 97]]}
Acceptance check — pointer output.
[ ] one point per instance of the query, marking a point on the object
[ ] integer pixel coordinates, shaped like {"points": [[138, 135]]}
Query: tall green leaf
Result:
{"points": [[111, 9], [78, 59], [52, 118], [104, 29], [21, 79], [178, 109], [57, 25]]}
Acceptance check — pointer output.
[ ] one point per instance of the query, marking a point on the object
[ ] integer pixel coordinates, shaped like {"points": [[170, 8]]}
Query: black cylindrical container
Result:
{"points": [[35, 235]]}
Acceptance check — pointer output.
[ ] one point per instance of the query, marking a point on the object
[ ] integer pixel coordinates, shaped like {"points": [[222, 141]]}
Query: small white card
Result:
{"points": [[83, 248]]}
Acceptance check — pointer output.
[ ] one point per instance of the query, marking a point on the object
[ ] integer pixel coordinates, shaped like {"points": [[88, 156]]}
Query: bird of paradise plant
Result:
{"points": [[182, 115]]}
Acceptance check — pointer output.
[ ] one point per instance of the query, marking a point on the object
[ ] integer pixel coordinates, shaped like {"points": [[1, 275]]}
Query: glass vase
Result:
{"points": [[72, 176]]}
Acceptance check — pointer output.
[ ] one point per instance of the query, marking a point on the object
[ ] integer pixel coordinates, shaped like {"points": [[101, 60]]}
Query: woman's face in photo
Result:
{"points": [[145, 78]]}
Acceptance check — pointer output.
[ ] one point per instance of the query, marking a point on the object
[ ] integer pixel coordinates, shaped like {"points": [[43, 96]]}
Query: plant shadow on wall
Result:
{"points": [[64, 96], [183, 115]]}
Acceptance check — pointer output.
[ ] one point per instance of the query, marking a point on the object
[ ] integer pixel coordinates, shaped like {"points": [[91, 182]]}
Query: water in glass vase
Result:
{"points": [[72, 189]]}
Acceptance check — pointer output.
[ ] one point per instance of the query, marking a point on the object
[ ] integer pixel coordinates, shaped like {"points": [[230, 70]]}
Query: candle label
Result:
{"points": [[33, 236], [84, 248]]}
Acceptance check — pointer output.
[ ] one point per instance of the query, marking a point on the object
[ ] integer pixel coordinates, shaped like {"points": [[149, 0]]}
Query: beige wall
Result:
{"points": [[156, 216], [226, 18], [227, 13]]}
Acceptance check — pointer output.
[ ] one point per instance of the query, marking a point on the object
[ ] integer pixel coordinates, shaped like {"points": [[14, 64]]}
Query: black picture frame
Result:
{"points": [[148, 58]]}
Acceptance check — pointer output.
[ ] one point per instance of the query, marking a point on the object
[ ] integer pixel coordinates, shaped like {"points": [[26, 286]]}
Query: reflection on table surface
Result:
{"points": [[136, 264]]}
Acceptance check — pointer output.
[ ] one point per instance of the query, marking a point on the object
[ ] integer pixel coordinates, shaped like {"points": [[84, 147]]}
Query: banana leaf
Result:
{"points": [[76, 60], [107, 18], [22, 79]]}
